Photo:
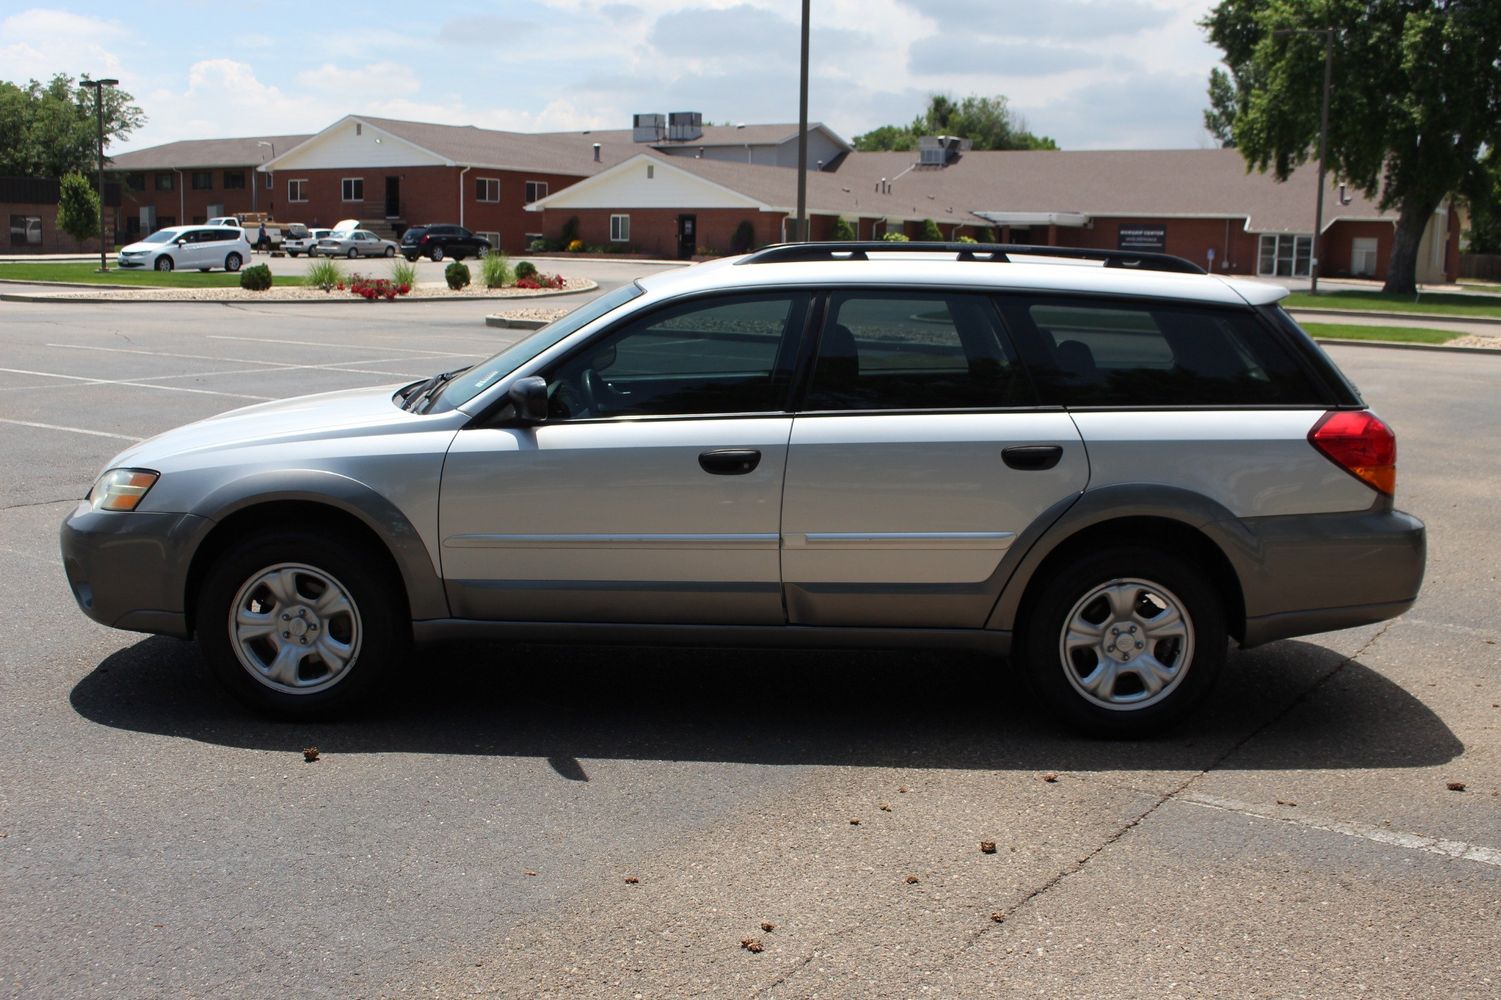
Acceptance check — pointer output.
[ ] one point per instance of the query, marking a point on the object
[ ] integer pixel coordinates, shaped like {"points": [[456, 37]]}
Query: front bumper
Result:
{"points": [[1321, 572], [129, 571]]}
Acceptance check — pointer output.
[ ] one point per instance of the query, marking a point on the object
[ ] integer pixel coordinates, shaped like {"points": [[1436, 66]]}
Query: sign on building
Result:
{"points": [[1148, 239]]}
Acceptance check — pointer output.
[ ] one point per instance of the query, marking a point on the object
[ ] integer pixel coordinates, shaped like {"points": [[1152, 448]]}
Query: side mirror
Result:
{"points": [[529, 398], [182, 242]]}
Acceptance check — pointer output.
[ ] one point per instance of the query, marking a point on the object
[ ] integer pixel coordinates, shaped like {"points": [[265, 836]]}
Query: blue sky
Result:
{"points": [[1090, 73]]}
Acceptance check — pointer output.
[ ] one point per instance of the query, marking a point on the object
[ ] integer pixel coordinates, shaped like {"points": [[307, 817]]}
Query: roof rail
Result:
{"points": [[783, 253]]}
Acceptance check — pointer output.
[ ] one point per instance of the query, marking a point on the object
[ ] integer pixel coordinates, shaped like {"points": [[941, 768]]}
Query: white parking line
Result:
{"points": [[234, 361], [74, 430], [318, 343], [1380, 835], [136, 385]]}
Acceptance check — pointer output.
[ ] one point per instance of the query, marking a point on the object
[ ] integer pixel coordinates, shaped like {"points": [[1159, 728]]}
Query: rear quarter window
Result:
{"points": [[1087, 352]]}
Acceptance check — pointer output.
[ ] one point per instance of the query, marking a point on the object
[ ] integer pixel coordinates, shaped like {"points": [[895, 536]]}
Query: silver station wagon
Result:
{"points": [[1100, 465]]}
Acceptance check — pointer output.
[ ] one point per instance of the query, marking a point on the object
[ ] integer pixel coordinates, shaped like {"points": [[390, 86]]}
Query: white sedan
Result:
{"points": [[352, 243]]}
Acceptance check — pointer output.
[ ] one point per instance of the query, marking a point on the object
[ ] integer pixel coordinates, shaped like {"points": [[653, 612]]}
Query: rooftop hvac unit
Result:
{"points": [[941, 150], [685, 126], [648, 128]]}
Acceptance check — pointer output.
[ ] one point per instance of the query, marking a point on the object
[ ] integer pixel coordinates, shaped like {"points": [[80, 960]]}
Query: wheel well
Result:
{"points": [[1172, 536], [308, 515]]}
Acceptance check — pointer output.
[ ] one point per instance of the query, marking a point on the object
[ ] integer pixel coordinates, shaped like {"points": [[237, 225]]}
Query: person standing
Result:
{"points": [[262, 241]]}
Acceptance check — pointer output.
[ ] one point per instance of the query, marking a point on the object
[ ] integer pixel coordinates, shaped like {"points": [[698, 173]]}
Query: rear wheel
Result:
{"points": [[301, 624], [353, 253], [1124, 642], [435, 254], [164, 263]]}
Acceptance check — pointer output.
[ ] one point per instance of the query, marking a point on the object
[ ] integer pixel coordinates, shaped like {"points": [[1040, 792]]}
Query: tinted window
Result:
{"points": [[1096, 353], [911, 351], [717, 356]]}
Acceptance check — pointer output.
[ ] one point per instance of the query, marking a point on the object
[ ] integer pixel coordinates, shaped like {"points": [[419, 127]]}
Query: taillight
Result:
{"points": [[424, 238], [1358, 442]]}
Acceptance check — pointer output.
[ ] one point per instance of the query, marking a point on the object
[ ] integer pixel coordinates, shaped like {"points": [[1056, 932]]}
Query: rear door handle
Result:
{"points": [[729, 461], [1032, 457]]}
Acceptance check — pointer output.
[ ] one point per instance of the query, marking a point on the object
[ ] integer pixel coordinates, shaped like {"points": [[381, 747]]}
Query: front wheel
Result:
{"points": [[232, 262], [435, 254], [300, 624], [164, 263], [390, 251], [1124, 642]]}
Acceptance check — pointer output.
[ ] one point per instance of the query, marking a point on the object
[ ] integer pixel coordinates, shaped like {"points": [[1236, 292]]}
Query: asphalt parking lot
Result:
{"points": [[479, 833]]}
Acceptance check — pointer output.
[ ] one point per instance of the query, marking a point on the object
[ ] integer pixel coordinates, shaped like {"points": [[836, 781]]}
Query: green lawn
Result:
{"points": [[1437, 302], [1401, 334], [1474, 285], [88, 273]]}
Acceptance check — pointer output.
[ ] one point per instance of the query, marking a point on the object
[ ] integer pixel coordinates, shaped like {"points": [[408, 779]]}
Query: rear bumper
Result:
{"points": [[1321, 572], [129, 571]]}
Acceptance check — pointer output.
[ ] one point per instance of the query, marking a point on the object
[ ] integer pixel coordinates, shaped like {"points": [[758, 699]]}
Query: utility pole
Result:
{"points": [[99, 86], [802, 135], [255, 176]]}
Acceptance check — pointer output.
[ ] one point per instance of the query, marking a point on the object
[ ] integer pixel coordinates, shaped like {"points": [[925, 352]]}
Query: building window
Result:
{"points": [[620, 229], [352, 189], [234, 180], [535, 191], [136, 182], [25, 230], [1363, 257], [493, 238], [1284, 255], [132, 226], [297, 190], [486, 189], [651, 171], [203, 180], [164, 182], [268, 181], [166, 221]]}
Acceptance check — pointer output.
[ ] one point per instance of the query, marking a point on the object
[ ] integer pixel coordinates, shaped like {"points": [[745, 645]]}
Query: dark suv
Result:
{"points": [[438, 241]]}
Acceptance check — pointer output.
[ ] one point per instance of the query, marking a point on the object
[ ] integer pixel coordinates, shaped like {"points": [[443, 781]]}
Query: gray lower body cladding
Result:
{"points": [[128, 570]]}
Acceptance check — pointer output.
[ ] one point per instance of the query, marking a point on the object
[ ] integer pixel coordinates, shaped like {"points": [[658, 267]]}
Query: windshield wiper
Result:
{"points": [[427, 392]]}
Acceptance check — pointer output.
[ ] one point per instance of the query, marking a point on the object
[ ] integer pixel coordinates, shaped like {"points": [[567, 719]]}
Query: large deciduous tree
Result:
{"points": [[49, 130], [986, 121], [1414, 110]]}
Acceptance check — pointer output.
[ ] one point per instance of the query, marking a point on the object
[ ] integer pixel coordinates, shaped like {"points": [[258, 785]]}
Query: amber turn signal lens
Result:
{"points": [[1358, 442]]}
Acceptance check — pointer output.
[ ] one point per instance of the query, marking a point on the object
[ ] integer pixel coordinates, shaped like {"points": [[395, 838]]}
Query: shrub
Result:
{"points": [[930, 231], [525, 269], [570, 231], [325, 274], [495, 270], [78, 207], [843, 231], [966, 239], [372, 289], [540, 280], [457, 275], [896, 236], [744, 238], [257, 278], [404, 273], [537, 245], [575, 246]]}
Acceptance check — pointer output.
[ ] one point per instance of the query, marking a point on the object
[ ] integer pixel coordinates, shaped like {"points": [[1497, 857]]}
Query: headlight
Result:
{"points": [[121, 489]]}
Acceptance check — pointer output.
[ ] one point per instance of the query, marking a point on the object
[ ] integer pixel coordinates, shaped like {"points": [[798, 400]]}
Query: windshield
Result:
{"points": [[161, 236], [491, 370]]}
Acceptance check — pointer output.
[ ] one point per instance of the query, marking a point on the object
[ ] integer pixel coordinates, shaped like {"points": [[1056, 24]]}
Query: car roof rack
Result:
{"points": [[784, 253]]}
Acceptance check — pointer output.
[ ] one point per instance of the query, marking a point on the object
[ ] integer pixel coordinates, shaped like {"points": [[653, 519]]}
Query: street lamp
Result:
{"points": [[1318, 217], [255, 185], [99, 86], [802, 135]]}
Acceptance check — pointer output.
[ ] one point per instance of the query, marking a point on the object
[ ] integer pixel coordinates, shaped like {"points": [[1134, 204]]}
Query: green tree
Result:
{"points": [[1416, 101], [931, 232], [1484, 234], [78, 207], [843, 231], [51, 130], [986, 121]]}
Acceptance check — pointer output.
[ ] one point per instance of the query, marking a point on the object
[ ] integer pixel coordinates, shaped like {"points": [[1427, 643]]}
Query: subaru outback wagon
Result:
{"points": [[1101, 471]]}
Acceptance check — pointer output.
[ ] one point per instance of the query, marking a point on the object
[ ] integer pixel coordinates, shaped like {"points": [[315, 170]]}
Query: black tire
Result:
{"points": [[1149, 581], [411, 258], [390, 251], [232, 262], [375, 624], [353, 253], [435, 254], [164, 263]]}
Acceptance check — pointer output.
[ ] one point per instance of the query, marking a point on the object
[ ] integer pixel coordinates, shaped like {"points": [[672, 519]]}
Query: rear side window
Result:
{"points": [[909, 350], [1085, 352]]}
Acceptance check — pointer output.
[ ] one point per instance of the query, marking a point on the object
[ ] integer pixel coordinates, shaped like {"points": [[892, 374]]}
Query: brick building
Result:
{"points": [[30, 205]]}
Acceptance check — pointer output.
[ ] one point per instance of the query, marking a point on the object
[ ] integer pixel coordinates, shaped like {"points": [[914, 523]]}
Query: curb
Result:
{"points": [[1401, 346], [1367, 313], [498, 320], [331, 298]]}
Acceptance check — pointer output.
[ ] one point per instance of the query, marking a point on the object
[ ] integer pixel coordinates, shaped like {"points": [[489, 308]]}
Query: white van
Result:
{"points": [[204, 247]]}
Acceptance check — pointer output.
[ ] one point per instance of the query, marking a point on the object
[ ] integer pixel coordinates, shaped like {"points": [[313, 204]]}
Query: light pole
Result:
{"points": [[99, 86], [802, 136], [255, 184], [1318, 212]]}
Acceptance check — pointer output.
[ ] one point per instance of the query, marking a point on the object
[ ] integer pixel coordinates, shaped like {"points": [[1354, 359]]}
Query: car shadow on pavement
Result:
{"points": [[1307, 707]]}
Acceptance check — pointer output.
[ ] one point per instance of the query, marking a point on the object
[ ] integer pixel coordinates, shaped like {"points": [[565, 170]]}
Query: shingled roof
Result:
{"points": [[189, 153]]}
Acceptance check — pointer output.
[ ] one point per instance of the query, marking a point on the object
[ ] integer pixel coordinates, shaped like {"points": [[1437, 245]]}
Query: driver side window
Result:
{"points": [[727, 355]]}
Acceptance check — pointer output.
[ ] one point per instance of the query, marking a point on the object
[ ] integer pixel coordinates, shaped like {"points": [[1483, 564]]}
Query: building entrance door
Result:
{"points": [[687, 236], [393, 197]]}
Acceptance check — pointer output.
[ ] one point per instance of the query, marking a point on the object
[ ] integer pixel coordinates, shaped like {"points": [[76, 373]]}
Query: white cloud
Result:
{"points": [[40, 42]]}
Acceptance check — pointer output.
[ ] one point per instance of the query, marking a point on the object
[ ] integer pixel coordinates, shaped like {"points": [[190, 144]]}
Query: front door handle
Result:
{"points": [[729, 461], [1032, 457]]}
